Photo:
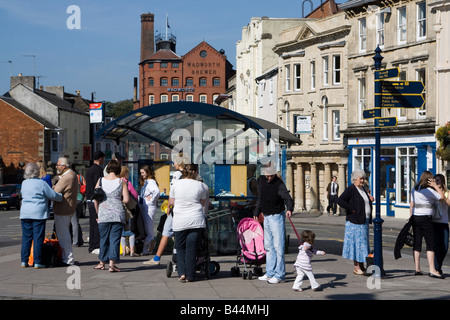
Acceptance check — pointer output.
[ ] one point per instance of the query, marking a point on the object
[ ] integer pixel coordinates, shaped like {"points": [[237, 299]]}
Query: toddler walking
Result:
{"points": [[303, 262]]}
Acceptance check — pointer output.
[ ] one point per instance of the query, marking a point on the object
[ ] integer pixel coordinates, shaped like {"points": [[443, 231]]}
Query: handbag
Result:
{"points": [[51, 251], [82, 186], [99, 193]]}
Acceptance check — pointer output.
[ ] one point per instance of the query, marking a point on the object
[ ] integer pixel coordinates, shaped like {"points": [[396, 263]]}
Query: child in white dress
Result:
{"points": [[303, 262]]}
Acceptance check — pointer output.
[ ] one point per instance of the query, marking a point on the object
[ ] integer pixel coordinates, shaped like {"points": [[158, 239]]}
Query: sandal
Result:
{"points": [[113, 269], [358, 272], [100, 266]]}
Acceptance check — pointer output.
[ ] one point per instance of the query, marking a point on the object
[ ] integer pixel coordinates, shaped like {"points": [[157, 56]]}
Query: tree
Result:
{"points": [[119, 108]]}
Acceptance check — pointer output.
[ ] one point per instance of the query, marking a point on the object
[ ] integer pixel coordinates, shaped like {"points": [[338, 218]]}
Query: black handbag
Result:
{"points": [[99, 193]]}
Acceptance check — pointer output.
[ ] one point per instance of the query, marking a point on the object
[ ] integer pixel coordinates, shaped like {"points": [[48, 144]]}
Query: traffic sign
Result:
{"points": [[401, 87], [402, 101], [385, 122], [386, 73], [372, 113]]}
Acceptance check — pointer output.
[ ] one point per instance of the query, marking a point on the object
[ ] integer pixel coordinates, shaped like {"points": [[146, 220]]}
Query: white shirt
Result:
{"points": [[366, 201], [424, 201]]}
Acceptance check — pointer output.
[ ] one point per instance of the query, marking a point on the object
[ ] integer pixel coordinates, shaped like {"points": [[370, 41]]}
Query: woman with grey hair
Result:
{"points": [[358, 203], [34, 212]]}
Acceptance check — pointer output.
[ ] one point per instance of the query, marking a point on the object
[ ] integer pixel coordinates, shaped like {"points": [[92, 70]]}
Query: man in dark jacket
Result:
{"points": [[94, 173], [273, 200]]}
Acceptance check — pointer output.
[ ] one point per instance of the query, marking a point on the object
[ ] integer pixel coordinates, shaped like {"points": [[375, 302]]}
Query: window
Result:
{"points": [[421, 20], [313, 75], [297, 76], [288, 78], [163, 64], [151, 82], [175, 82], [401, 112], [163, 82], [164, 98], [271, 96], [150, 65], [202, 82], [203, 54], [151, 99], [175, 97], [380, 29], [362, 160], [325, 118], [190, 82], [406, 172], [336, 69], [216, 82], [401, 25], [421, 76], [362, 35], [325, 71], [361, 97], [54, 142], [175, 64], [189, 97], [203, 98], [336, 125]]}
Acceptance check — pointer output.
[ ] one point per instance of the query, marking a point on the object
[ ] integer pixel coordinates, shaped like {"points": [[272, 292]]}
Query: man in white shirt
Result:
{"points": [[332, 195]]}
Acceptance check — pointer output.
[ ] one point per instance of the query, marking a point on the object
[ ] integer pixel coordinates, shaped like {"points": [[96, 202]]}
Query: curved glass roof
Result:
{"points": [[166, 122]]}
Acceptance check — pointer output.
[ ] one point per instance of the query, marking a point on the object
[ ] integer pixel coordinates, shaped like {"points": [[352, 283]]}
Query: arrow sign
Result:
{"points": [[386, 73], [372, 113], [385, 122], [401, 87], [402, 101]]}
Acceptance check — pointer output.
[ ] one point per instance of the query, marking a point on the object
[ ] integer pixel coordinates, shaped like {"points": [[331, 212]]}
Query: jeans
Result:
{"points": [[32, 230], [110, 234], [186, 243], [274, 239]]}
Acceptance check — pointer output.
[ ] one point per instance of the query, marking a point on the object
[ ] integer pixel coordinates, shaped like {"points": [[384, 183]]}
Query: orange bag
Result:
{"points": [[47, 241]]}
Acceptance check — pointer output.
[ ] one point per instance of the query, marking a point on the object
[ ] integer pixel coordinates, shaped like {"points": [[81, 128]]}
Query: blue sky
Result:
{"points": [[103, 55]]}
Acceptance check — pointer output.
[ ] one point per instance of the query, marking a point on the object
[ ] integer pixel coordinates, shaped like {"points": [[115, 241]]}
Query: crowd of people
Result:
{"points": [[113, 220]]}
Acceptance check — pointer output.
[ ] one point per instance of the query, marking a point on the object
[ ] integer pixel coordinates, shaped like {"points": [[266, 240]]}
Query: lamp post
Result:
{"points": [[378, 222]]}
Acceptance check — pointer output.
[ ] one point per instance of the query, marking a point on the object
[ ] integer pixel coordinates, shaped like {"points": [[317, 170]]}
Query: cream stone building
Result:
{"points": [[405, 33], [312, 103]]}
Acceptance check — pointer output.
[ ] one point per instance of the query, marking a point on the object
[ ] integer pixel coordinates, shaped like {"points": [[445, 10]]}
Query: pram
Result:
{"points": [[250, 236], [205, 266]]}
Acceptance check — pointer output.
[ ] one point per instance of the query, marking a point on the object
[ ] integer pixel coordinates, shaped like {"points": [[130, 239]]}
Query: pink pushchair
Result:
{"points": [[250, 236]]}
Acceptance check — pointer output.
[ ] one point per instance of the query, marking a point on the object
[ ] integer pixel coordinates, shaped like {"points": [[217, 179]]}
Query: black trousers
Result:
{"points": [[423, 228], [332, 203], [94, 234]]}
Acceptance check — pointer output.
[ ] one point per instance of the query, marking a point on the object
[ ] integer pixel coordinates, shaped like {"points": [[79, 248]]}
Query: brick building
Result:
{"points": [[200, 75]]}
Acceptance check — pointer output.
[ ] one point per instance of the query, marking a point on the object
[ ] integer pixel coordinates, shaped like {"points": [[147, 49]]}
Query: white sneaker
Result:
{"points": [[264, 278], [152, 262], [96, 251], [274, 280]]}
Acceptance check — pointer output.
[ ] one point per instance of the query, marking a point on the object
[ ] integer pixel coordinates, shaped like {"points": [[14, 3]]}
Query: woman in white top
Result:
{"points": [[148, 203], [440, 225], [188, 197], [423, 197]]}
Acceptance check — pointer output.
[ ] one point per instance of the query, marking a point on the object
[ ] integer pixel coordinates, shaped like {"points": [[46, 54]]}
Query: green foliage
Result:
{"points": [[119, 108], [443, 136]]}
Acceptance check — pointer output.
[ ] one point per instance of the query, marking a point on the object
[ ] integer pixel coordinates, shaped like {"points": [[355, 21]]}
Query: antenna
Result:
{"points": [[34, 57], [10, 65]]}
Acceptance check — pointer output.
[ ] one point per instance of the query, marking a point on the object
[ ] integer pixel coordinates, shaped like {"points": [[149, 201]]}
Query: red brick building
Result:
{"points": [[200, 75]]}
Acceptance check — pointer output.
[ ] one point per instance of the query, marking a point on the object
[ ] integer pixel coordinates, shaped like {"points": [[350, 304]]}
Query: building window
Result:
{"points": [[151, 82], [380, 29], [203, 54], [216, 82], [406, 172], [164, 98], [150, 65], [325, 118], [401, 25], [362, 159], [362, 35], [336, 69], [421, 20], [151, 99], [421, 76], [313, 75], [202, 82], [175, 82], [175, 64], [401, 112], [325, 71], [271, 95], [55, 141], [203, 98], [297, 77], [190, 82], [163, 64], [163, 82], [288, 78], [189, 97], [175, 98], [336, 125], [361, 97]]}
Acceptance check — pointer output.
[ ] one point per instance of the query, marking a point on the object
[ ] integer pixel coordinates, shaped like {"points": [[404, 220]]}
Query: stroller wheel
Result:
{"points": [[250, 275], [244, 275], [214, 268], [234, 271], [169, 269]]}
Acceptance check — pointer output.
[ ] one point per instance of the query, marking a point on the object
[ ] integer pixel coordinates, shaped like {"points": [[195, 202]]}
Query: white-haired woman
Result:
{"points": [[358, 203], [34, 212]]}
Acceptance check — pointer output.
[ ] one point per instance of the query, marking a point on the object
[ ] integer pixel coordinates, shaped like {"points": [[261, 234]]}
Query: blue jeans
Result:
{"points": [[186, 243], [110, 234], [32, 230], [274, 240]]}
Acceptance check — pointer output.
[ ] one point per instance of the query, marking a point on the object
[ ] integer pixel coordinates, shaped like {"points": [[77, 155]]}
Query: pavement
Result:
{"points": [[140, 282]]}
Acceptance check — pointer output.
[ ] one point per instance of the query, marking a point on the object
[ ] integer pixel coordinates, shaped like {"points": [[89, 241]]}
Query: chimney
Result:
{"points": [[147, 35], [28, 81]]}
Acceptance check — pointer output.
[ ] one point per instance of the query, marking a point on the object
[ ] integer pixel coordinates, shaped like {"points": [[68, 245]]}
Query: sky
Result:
{"points": [[94, 45]]}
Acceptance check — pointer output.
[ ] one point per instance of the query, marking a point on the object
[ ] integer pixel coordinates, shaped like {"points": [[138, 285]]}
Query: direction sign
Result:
{"points": [[401, 87], [385, 122], [372, 113], [402, 101], [386, 73]]}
